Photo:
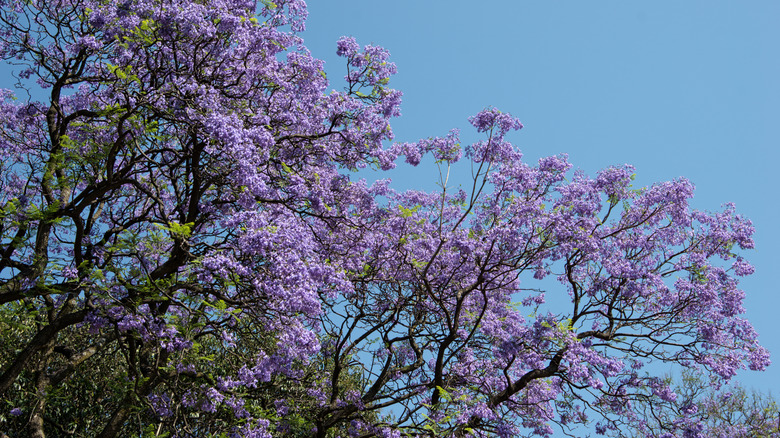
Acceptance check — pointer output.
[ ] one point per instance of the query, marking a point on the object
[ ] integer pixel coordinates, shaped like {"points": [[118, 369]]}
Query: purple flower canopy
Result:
{"points": [[180, 224]]}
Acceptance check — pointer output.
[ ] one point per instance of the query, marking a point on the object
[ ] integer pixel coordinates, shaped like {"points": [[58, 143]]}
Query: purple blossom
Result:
{"points": [[347, 46], [490, 119]]}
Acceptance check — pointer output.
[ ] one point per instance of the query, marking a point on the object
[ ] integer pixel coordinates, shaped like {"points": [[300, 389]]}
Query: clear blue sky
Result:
{"points": [[676, 88]]}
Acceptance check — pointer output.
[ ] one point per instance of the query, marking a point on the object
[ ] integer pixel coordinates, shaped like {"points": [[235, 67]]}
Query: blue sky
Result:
{"points": [[674, 88]]}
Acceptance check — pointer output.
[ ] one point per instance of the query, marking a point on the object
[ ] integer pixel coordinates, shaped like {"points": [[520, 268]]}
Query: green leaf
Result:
{"points": [[407, 212]]}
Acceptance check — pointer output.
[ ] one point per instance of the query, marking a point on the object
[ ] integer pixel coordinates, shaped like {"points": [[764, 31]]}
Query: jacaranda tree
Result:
{"points": [[727, 412], [184, 248]]}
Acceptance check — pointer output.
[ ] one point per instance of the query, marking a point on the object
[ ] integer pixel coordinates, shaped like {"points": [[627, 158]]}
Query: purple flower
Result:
{"points": [[489, 119], [347, 46]]}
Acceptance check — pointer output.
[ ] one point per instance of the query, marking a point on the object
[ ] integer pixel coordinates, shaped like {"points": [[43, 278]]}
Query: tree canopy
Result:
{"points": [[185, 248], [700, 408]]}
